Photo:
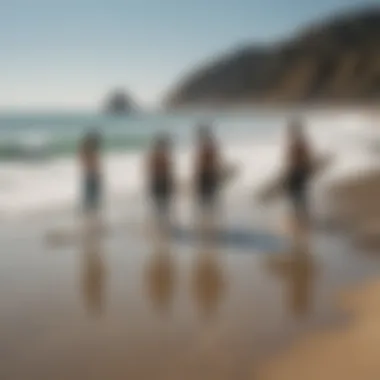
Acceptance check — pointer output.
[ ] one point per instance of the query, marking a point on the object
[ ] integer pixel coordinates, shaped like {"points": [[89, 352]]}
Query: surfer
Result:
{"points": [[207, 168], [298, 168], [90, 160], [160, 174]]}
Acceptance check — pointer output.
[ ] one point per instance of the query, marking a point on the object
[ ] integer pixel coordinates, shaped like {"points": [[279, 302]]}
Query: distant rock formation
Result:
{"points": [[338, 60], [119, 103]]}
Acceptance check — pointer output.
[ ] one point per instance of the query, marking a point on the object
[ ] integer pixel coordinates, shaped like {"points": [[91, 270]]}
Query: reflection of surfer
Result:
{"points": [[160, 276], [208, 281], [93, 275], [298, 168], [298, 270], [301, 283]]}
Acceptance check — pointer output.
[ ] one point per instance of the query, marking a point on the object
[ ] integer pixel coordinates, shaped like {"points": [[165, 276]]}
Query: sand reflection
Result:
{"points": [[93, 273], [160, 271], [208, 279], [348, 353], [297, 270]]}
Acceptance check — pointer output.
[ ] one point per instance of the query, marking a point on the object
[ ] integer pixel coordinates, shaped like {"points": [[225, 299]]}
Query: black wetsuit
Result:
{"points": [[207, 178], [92, 179], [92, 191], [298, 177], [161, 181]]}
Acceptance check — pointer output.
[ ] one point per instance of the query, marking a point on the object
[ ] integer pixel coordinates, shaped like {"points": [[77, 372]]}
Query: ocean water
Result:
{"points": [[38, 152]]}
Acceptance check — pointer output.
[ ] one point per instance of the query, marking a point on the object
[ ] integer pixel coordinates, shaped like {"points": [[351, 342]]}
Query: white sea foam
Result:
{"points": [[25, 188]]}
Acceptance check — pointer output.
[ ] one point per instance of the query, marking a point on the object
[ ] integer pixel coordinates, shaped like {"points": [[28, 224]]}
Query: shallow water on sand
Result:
{"points": [[131, 305]]}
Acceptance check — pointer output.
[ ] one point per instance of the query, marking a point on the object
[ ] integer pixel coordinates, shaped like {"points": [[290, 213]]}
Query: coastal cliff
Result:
{"points": [[334, 61]]}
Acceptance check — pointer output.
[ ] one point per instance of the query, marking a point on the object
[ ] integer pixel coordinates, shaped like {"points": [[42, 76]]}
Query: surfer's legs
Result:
{"points": [[161, 196], [300, 205], [298, 194], [92, 193], [207, 206], [207, 192], [162, 206]]}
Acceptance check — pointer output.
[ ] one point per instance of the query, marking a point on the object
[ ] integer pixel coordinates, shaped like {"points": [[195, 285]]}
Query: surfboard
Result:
{"points": [[275, 188], [247, 240]]}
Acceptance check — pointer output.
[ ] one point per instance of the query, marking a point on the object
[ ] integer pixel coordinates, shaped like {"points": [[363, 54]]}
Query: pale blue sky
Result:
{"points": [[69, 53]]}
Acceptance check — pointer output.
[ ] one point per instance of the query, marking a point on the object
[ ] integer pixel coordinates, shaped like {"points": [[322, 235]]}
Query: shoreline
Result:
{"points": [[348, 353], [124, 305], [124, 295]]}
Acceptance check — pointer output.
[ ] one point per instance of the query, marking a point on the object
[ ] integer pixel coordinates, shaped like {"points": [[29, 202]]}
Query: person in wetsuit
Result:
{"points": [[299, 169], [207, 168], [160, 174], [90, 161]]}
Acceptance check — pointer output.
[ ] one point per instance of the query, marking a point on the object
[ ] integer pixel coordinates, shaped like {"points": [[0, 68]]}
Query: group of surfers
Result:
{"points": [[208, 170]]}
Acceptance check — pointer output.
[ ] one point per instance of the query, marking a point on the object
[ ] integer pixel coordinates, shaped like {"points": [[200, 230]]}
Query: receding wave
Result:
{"points": [[49, 147]]}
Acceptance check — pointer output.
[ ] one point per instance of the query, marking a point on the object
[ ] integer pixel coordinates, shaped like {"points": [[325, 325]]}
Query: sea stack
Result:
{"points": [[119, 103]]}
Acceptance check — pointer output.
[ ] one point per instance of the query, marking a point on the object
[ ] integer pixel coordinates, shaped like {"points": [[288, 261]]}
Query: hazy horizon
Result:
{"points": [[70, 55]]}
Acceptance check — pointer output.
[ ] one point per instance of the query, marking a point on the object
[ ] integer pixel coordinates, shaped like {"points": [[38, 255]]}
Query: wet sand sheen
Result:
{"points": [[127, 307], [350, 352]]}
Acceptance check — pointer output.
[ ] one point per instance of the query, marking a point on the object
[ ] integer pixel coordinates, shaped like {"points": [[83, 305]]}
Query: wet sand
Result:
{"points": [[130, 306], [357, 208], [350, 352]]}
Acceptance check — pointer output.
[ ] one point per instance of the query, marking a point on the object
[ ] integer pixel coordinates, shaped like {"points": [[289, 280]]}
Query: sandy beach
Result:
{"points": [[349, 352], [113, 113], [125, 305], [357, 208], [121, 302]]}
